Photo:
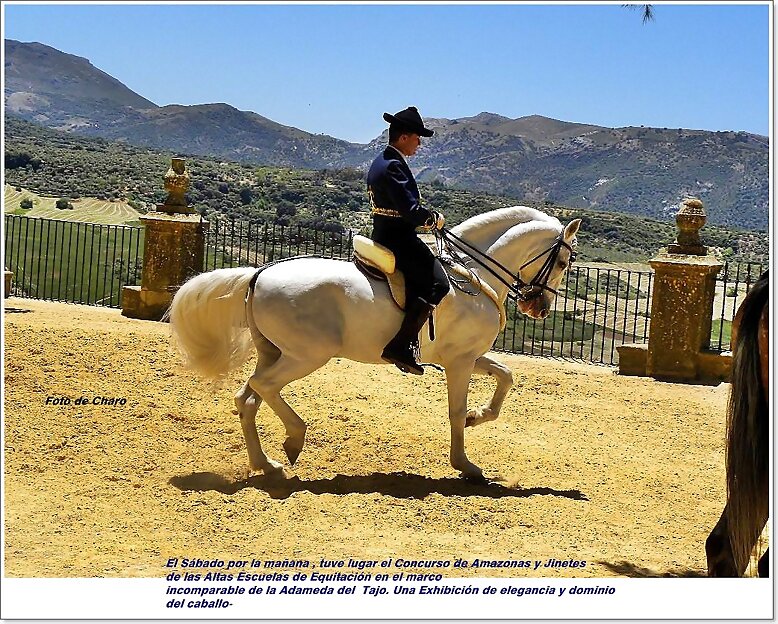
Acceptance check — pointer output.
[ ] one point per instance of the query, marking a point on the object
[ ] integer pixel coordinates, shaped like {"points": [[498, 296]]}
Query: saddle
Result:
{"points": [[378, 262]]}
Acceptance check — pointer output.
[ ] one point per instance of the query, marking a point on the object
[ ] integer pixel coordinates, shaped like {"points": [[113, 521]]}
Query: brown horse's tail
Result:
{"points": [[747, 453]]}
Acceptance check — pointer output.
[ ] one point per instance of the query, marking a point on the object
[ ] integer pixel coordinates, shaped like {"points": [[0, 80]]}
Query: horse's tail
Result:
{"points": [[208, 320], [747, 451]]}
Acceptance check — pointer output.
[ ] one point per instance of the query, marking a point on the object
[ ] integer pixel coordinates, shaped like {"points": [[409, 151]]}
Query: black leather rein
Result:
{"points": [[519, 289]]}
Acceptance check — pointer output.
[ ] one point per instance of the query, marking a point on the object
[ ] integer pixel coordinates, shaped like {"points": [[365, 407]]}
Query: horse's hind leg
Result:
{"points": [[247, 403], [268, 383], [487, 366]]}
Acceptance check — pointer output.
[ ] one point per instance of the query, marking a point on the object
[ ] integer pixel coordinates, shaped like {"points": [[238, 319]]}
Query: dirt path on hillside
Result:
{"points": [[625, 474]]}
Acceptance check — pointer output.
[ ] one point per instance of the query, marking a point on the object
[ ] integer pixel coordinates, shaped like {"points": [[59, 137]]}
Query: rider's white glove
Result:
{"points": [[439, 220]]}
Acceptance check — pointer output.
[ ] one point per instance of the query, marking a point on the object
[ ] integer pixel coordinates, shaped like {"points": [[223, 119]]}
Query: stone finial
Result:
{"points": [[176, 184], [690, 219]]}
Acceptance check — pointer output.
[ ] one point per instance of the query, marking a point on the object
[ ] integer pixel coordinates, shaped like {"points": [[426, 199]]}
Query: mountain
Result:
{"points": [[62, 90], [645, 171], [67, 92], [224, 131], [641, 171]]}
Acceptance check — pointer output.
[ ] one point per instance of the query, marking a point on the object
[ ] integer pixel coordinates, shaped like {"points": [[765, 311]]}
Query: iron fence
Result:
{"points": [[237, 243], [732, 285], [597, 308], [70, 261], [595, 311]]}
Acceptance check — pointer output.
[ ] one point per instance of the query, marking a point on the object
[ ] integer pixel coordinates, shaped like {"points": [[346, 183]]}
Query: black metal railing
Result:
{"points": [[70, 261], [732, 285], [597, 309], [237, 243]]}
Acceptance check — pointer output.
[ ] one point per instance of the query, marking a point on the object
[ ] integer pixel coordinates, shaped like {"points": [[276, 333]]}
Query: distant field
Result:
{"points": [[85, 209], [72, 261]]}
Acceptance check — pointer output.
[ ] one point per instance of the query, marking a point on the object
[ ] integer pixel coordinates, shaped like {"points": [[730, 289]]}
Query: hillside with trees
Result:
{"points": [[67, 166]]}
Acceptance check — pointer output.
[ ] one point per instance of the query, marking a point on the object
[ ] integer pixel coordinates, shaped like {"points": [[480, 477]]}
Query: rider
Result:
{"points": [[397, 212]]}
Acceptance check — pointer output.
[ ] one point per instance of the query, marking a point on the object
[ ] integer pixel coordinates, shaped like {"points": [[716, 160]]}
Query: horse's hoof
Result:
{"points": [[479, 416], [272, 468], [472, 473], [476, 478], [277, 475], [292, 449]]}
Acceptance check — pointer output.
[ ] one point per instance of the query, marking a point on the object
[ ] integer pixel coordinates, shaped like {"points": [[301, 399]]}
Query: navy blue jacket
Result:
{"points": [[393, 187]]}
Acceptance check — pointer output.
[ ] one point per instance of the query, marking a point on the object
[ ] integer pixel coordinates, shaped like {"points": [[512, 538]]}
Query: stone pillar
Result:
{"points": [[174, 250], [681, 309], [681, 314]]}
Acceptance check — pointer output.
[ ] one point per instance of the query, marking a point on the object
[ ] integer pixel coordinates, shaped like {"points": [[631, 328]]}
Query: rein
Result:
{"points": [[447, 240], [518, 288]]}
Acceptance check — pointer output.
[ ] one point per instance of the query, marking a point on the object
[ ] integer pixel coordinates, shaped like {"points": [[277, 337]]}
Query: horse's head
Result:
{"points": [[543, 273]]}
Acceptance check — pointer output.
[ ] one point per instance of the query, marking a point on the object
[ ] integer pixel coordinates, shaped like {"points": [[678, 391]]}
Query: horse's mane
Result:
{"points": [[747, 450], [483, 230]]}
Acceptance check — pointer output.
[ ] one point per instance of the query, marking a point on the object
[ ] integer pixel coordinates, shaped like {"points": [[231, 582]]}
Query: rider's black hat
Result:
{"points": [[409, 119]]}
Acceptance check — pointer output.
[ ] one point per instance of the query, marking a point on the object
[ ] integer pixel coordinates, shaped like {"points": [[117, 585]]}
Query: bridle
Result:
{"points": [[517, 288]]}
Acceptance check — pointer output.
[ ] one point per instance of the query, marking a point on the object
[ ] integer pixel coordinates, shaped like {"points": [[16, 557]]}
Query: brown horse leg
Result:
{"points": [[763, 568], [721, 561]]}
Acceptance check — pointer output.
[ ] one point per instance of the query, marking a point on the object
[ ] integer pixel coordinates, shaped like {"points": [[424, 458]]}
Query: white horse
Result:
{"points": [[301, 313]]}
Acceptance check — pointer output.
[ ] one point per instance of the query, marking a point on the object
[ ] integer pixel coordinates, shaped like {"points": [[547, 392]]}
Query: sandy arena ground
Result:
{"points": [[626, 474]]}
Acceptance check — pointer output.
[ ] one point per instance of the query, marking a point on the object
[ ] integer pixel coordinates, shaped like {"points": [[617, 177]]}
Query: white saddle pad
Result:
{"points": [[379, 257]]}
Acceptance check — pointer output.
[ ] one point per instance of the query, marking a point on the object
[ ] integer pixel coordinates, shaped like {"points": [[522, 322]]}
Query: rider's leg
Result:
{"points": [[400, 349], [426, 285]]}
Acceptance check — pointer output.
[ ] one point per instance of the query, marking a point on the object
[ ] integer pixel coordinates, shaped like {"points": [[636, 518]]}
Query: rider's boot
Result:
{"points": [[402, 350]]}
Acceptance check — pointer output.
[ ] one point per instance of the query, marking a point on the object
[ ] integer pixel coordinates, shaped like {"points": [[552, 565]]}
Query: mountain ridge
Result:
{"points": [[637, 170]]}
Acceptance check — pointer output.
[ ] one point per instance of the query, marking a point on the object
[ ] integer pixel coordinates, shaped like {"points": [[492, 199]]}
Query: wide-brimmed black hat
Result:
{"points": [[409, 119]]}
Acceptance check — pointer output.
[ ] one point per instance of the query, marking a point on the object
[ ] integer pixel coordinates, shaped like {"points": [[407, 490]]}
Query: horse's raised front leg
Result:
{"points": [[268, 383], [247, 403], [486, 366], [457, 381], [718, 550]]}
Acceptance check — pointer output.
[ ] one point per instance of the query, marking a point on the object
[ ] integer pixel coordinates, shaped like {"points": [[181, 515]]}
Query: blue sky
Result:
{"points": [[335, 68]]}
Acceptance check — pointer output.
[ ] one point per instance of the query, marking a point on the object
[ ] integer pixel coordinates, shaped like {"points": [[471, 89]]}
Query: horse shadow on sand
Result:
{"points": [[396, 485]]}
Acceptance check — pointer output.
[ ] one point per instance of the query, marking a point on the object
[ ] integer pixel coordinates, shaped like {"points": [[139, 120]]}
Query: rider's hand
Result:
{"points": [[439, 220]]}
